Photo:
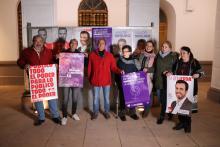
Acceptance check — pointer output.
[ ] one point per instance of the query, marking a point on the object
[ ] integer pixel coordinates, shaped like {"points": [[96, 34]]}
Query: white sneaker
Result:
{"points": [[64, 121], [75, 116]]}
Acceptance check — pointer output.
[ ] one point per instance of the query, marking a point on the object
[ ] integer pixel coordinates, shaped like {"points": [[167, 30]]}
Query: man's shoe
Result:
{"points": [[106, 115], [64, 121], [94, 116], [160, 120], [179, 126], [134, 116], [123, 118], [39, 122], [56, 120]]}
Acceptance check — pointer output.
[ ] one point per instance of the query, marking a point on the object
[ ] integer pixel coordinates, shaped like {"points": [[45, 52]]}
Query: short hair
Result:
{"points": [[73, 40], [127, 47], [101, 39], [62, 28], [37, 36], [183, 82], [168, 43], [85, 32], [42, 29]]}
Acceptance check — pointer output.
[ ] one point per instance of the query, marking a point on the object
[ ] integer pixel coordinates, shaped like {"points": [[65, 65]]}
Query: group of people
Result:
{"points": [[99, 66]]}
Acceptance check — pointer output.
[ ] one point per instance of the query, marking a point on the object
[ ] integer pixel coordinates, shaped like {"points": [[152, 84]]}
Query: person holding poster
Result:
{"points": [[76, 91], [128, 64], [147, 59], [182, 106], [39, 55], [188, 65], [164, 62], [101, 63]]}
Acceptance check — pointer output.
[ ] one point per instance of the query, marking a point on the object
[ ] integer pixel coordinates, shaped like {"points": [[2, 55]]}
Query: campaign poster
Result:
{"points": [[71, 70], [179, 94], [102, 33], [135, 89], [84, 37], [121, 37], [43, 82], [140, 33]]}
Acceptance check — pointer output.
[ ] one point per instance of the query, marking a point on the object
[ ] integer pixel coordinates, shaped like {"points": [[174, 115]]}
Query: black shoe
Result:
{"points": [[123, 118], [187, 129], [134, 116], [94, 116], [57, 120], [179, 126], [160, 120], [145, 113], [194, 111], [39, 122], [106, 115]]}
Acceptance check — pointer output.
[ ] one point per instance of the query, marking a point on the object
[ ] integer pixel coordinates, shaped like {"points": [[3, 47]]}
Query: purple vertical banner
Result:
{"points": [[135, 89], [98, 33], [71, 70]]}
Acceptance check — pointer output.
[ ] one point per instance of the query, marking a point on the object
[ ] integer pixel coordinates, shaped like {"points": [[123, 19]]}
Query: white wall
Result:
{"points": [[143, 12], [67, 12], [38, 13], [8, 30], [195, 29]]}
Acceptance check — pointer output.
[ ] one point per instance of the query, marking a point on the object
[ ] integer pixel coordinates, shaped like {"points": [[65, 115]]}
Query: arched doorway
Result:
{"points": [[19, 19], [92, 13], [168, 11], [163, 28]]}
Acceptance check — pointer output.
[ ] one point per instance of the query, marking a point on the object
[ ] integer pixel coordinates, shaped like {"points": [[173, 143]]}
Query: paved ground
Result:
{"points": [[17, 130]]}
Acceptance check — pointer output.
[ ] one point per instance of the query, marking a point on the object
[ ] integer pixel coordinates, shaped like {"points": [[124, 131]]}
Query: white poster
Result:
{"points": [[43, 82], [179, 94]]}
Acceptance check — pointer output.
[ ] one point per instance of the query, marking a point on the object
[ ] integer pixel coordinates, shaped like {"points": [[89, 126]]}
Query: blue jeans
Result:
{"points": [[53, 109], [96, 92]]}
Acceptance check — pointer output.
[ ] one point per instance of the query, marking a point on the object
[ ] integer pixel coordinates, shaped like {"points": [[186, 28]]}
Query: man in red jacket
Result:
{"points": [[39, 55], [101, 63]]}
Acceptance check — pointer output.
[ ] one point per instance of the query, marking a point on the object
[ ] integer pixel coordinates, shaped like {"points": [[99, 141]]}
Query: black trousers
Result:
{"points": [[185, 121]]}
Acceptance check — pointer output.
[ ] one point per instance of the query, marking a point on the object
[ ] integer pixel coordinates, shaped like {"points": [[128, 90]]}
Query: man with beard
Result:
{"points": [[39, 55]]}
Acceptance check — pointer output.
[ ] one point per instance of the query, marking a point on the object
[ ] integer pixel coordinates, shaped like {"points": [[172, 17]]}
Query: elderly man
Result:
{"points": [[39, 55], [101, 63]]}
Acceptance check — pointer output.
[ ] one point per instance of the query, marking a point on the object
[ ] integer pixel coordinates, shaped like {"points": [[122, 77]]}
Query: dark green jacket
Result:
{"points": [[161, 65]]}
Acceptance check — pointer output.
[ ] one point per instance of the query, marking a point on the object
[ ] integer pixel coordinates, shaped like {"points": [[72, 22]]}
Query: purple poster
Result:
{"points": [[71, 70], [135, 89], [98, 33]]}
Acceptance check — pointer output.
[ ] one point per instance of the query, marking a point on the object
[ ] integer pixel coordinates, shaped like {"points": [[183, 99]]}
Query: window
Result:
{"points": [[92, 13]]}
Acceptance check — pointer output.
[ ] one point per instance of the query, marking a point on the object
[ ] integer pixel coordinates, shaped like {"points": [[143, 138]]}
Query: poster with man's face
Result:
{"points": [[179, 94]]}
